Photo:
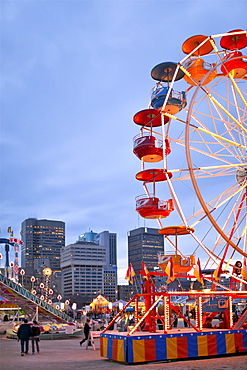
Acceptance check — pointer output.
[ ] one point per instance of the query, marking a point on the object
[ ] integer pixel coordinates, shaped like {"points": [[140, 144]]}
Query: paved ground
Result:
{"points": [[67, 354]]}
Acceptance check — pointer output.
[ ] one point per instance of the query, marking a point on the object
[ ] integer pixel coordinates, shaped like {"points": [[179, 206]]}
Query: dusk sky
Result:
{"points": [[73, 74]]}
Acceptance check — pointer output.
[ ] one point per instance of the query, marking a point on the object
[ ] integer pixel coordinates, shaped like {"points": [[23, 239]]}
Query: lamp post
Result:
{"points": [[22, 272], [47, 273], [1, 257], [41, 285], [12, 269], [50, 293], [32, 281], [74, 306], [59, 297]]}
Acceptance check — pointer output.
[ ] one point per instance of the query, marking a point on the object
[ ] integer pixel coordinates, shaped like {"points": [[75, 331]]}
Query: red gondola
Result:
{"points": [[152, 175], [234, 65], [148, 148], [150, 118], [153, 208], [234, 42]]}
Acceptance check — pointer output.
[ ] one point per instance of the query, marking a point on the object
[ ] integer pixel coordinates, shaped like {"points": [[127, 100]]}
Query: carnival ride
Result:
{"points": [[206, 124], [196, 136]]}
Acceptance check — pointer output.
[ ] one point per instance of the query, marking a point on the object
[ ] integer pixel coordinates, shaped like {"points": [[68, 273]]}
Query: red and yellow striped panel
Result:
{"points": [[103, 346], [202, 344], [171, 348], [150, 349], [230, 343], [212, 345], [239, 340], [182, 344], [138, 350], [118, 350]]}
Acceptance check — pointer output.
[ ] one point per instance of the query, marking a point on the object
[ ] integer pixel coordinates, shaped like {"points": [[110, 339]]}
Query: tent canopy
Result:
{"points": [[99, 301]]}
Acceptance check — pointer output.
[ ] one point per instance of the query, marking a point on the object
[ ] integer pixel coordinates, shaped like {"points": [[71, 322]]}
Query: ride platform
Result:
{"points": [[178, 344]]}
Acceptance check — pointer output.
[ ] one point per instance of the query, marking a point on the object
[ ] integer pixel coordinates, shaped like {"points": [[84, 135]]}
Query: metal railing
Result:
{"points": [[25, 294]]}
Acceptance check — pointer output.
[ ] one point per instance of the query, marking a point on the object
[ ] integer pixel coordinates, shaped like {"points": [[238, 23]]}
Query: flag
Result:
{"points": [[244, 270], [145, 272], [130, 274], [198, 272], [218, 271], [169, 270]]}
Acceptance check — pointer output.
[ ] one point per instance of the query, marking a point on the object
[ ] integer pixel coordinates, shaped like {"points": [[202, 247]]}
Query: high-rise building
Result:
{"points": [[144, 244], [42, 242], [82, 266], [109, 241]]}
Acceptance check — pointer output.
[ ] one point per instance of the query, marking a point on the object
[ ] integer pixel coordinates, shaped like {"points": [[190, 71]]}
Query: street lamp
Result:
{"points": [[12, 269], [22, 272], [74, 306], [59, 297], [47, 273], [32, 281]]}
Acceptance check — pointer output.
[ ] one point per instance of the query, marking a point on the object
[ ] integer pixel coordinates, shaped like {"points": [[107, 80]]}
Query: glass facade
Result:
{"points": [[82, 266], [144, 244], [43, 240]]}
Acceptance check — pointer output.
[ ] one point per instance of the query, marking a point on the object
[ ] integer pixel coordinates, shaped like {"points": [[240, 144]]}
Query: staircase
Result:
{"points": [[29, 302]]}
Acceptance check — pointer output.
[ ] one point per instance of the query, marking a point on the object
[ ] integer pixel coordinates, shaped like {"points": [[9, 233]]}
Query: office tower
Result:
{"points": [[88, 236], [82, 266], [144, 244], [109, 241], [43, 240]]}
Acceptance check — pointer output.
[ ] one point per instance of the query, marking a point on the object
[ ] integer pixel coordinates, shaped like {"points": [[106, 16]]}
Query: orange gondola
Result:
{"points": [[193, 42], [198, 69], [181, 264]]}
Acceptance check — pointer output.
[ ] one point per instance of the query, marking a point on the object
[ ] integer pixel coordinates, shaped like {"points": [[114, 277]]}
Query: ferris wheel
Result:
{"points": [[206, 118]]}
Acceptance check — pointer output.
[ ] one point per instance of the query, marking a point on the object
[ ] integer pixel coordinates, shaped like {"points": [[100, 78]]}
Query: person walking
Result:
{"points": [[35, 336], [24, 333], [86, 331]]}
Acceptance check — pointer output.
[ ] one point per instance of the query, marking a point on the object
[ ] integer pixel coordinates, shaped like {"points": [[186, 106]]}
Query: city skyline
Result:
{"points": [[69, 90]]}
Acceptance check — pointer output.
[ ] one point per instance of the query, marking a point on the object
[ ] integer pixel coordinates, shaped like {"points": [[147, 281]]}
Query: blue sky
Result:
{"points": [[73, 74]]}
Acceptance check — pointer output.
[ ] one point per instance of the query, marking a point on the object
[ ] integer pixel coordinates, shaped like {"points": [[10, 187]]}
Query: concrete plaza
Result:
{"points": [[67, 354]]}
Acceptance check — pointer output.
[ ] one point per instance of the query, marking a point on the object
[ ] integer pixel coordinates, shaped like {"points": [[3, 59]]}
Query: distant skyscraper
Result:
{"points": [[43, 240], [144, 244], [109, 241], [82, 266]]}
